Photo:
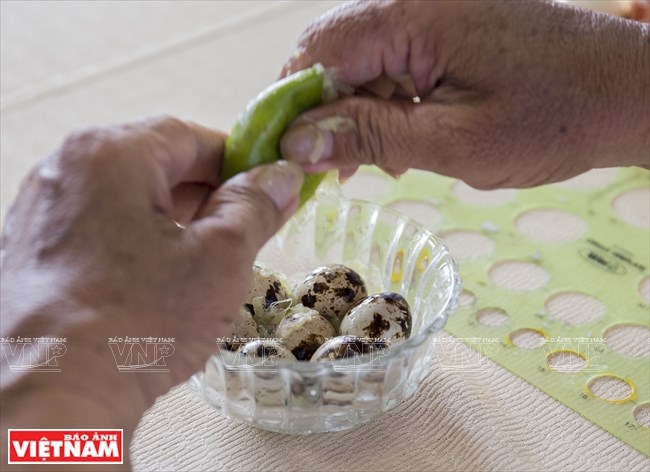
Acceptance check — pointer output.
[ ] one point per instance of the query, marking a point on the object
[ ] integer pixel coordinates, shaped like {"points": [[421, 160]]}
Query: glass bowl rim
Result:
{"points": [[411, 343]]}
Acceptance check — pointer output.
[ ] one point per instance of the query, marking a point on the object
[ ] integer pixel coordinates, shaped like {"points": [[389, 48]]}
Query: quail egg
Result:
{"points": [[266, 351], [267, 320], [243, 329], [343, 347], [331, 290], [267, 288], [386, 315], [303, 331]]}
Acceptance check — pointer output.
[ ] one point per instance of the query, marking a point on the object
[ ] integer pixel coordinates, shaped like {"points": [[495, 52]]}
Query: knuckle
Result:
{"points": [[233, 233], [87, 146], [251, 219], [149, 130], [376, 133], [231, 243], [166, 124], [258, 214], [164, 134], [359, 146], [321, 40]]}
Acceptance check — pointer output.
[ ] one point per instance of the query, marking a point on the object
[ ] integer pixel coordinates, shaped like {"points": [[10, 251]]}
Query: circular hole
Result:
{"points": [[629, 340], [492, 317], [519, 276], [644, 290], [527, 338], [550, 226], [575, 308], [468, 245], [470, 195], [633, 207], [642, 414], [366, 186], [566, 362], [611, 388], [592, 180], [466, 298], [421, 211]]}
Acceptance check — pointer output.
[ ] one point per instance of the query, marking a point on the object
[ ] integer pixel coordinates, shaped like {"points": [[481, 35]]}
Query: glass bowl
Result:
{"points": [[392, 253]]}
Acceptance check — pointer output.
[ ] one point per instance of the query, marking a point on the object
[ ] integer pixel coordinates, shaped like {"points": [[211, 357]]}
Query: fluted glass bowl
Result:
{"points": [[392, 253]]}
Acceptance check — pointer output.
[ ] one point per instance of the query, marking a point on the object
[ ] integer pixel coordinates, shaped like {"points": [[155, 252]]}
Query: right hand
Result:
{"points": [[513, 94]]}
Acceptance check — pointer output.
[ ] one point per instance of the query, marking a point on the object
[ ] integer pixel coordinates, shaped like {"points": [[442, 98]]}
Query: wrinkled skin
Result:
{"points": [[90, 250], [513, 94]]}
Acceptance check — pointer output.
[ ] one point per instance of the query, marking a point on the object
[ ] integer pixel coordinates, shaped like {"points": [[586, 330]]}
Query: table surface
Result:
{"points": [[67, 65]]}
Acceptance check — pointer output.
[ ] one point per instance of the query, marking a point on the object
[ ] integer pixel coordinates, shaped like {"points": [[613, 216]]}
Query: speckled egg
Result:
{"points": [[266, 287], [331, 290], [386, 315], [344, 347], [303, 331], [264, 351], [243, 329]]}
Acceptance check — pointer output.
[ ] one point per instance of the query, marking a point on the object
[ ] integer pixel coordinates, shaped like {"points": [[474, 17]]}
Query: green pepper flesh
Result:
{"points": [[255, 137]]}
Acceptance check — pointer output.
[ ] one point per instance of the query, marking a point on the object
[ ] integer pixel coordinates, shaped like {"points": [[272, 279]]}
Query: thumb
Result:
{"points": [[393, 135], [249, 208]]}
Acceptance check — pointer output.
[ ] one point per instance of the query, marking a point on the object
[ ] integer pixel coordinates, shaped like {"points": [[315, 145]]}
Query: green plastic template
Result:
{"points": [[607, 263]]}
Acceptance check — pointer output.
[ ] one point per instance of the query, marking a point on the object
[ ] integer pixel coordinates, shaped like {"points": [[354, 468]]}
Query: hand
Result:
{"points": [[90, 251], [512, 94]]}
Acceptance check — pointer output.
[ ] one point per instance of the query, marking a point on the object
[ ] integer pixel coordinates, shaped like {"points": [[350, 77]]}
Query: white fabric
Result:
{"points": [[67, 65], [469, 415]]}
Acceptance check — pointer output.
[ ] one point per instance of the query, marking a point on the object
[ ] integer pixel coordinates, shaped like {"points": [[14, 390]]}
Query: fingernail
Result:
{"points": [[312, 142], [395, 173], [304, 143], [345, 174], [280, 181]]}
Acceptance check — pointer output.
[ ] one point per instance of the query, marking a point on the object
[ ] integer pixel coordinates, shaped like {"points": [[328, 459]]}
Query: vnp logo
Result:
{"points": [[39, 354], [141, 354]]}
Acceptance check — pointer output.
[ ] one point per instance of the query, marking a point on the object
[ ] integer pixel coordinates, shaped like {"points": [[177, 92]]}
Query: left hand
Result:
{"points": [[90, 251]]}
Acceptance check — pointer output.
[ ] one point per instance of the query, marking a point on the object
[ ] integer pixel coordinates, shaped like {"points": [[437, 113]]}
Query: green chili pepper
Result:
{"points": [[255, 137]]}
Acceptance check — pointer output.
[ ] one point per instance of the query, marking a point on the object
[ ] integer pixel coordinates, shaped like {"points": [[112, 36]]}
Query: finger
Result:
{"points": [[187, 200], [185, 151], [386, 87], [382, 87], [183, 159], [349, 39], [137, 164], [393, 135], [248, 209], [398, 95], [345, 174], [395, 173], [364, 40], [406, 86]]}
